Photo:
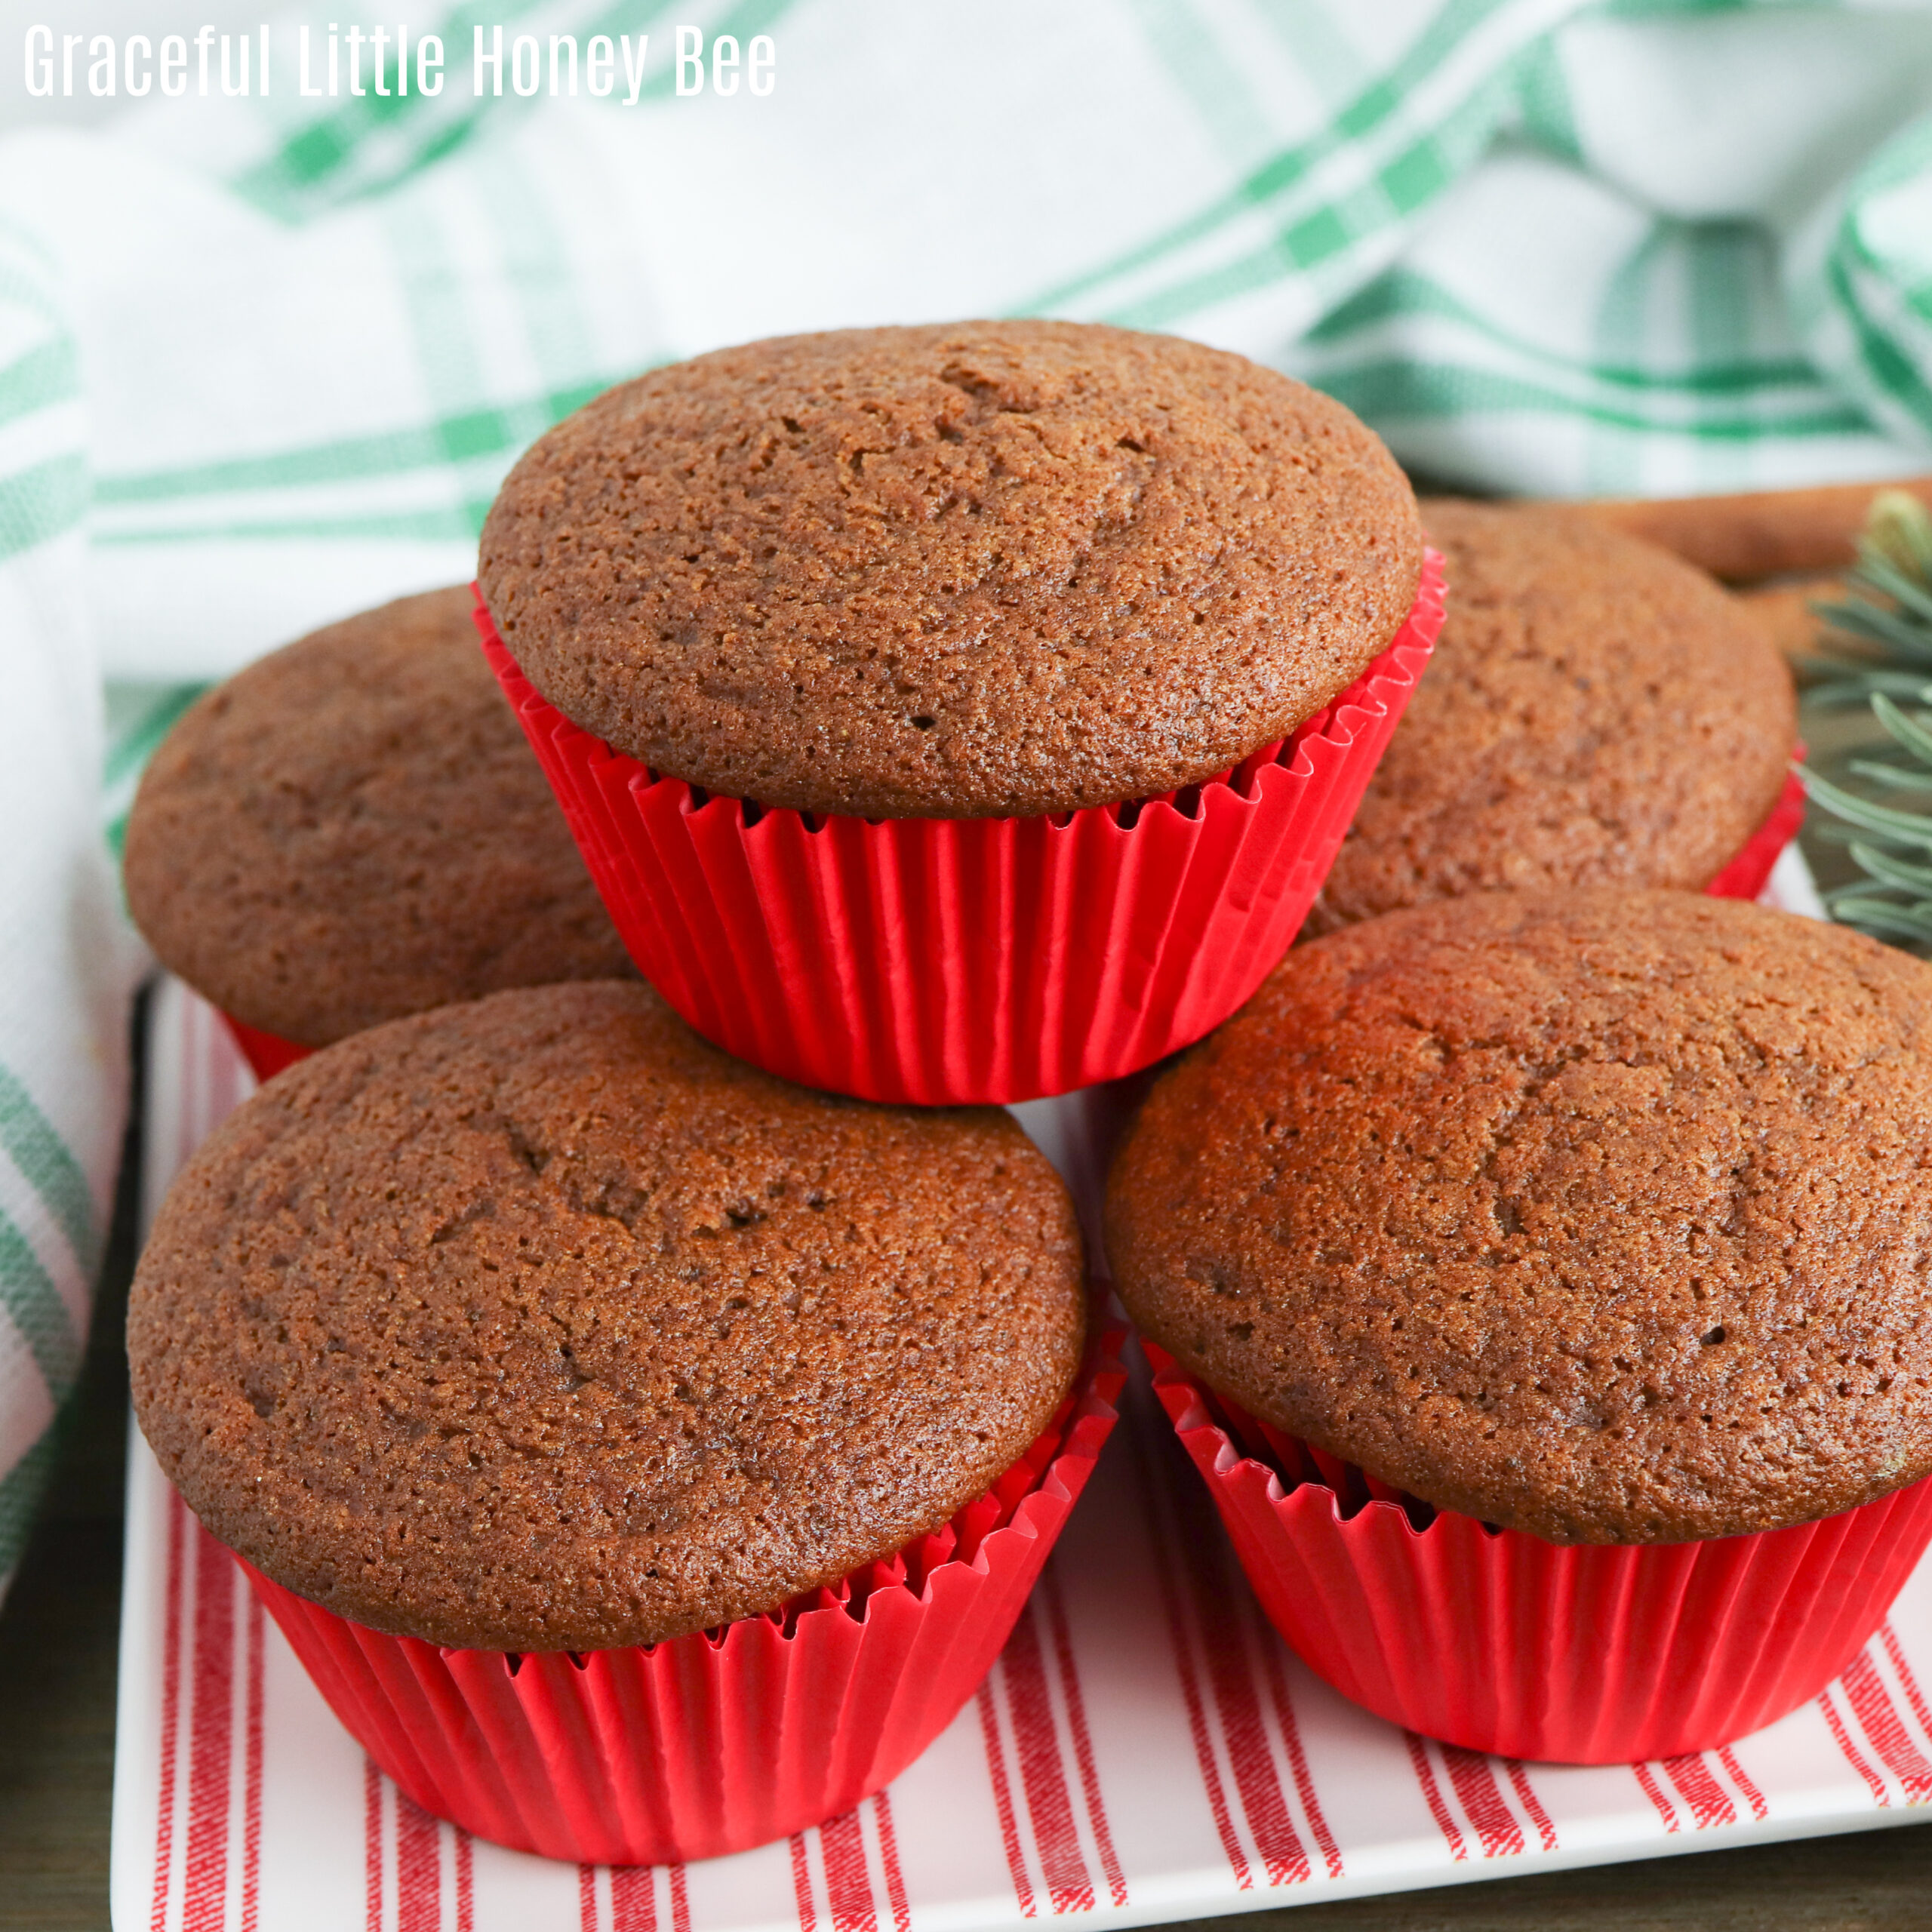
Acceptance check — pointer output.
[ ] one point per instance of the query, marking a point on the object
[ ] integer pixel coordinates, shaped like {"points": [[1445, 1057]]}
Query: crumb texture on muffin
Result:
{"points": [[354, 829], [1602, 1215], [539, 1324], [981, 570], [1597, 713]]}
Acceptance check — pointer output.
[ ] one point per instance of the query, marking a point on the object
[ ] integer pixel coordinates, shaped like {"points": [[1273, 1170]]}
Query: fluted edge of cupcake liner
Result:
{"points": [[724, 1740], [1749, 872], [944, 961], [268, 1054], [1499, 1641]]}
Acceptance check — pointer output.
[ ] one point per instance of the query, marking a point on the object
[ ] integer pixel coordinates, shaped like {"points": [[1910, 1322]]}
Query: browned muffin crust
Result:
{"points": [[538, 1324], [981, 570], [1597, 713], [1600, 1215], [354, 829]]}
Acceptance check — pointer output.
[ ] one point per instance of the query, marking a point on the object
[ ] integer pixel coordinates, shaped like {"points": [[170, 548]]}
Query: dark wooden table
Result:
{"points": [[58, 1635]]}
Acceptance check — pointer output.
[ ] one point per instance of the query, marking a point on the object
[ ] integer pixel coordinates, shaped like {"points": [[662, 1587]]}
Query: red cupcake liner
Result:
{"points": [[729, 1738], [942, 961], [268, 1054], [1497, 1641], [1748, 874]]}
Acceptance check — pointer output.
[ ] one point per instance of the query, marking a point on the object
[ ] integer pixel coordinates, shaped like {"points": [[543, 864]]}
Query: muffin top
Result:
{"points": [[981, 570], [1598, 712], [354, 829], [538, 1324], [1601, 1215]]}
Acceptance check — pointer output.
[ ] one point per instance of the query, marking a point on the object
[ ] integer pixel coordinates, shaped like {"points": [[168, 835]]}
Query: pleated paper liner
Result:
{"points": [[1750, 871], [730, 1738], [941, 960], [1745, 878], [1497, 1641], [268, 1054]]}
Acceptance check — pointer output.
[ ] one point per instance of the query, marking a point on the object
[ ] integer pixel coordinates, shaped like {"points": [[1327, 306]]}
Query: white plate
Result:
{"points": [[1145, 1750]]}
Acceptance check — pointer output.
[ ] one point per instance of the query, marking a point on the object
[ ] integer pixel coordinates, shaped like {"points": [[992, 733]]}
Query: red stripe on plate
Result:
{"points": [[1709, 1803], [587, 1893], [466, 1883], [1878, 1717], [1083, 1743], [210, 1739], [1043, 1776], [1474, 1776], [372, 1843], [1284, 1716], [1432, 1795], [1009, 1832], [801, 1883], [1753, 1796], [1853, 1756], [418, 1868], [1890, 1638], [1179, 1644], [170, 1710], [251, 1812], [633, 1898], [1654, 1792], [888, 1856], [1526, 1796], [681, 1901], [1238, 1705], [848, 1884]]}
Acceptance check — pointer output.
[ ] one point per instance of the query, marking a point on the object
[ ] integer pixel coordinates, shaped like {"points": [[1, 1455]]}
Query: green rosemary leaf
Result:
{"points": [[1846, 653], [1898, 529], [1858, 688], [1897, 634], [1907, 828], [1882, 866], [1875, 646], [1826, 611], [1882, 575], [1898, 776], [1883, 920], [1909, 731]]}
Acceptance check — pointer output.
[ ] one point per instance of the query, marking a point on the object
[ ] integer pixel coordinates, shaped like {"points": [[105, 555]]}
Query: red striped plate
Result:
{"points": [[1145, 1750]]}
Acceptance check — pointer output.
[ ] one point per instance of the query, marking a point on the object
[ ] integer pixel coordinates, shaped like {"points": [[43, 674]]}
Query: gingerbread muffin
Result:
{"points": [[976, 570], [1599, 712], [954, 714], [536, 1324], [354, 829], [1600, 1215]]}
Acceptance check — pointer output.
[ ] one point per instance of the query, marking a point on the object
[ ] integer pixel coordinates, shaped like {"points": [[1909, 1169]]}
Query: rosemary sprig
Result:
{"points": [[1878, 644]]}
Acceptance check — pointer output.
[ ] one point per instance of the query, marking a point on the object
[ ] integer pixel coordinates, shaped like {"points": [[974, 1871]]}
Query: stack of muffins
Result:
{"points": [[644, 1407]]}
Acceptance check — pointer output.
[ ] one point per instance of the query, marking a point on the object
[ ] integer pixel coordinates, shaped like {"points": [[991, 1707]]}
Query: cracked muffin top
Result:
{"points": [[1597, 713], [538, 1324], [1602, 1215], [354, 829], [984, 569]]}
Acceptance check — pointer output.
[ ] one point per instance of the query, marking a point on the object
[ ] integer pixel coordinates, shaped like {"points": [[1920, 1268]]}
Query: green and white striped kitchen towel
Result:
{"points": [[66, 966], [266, 358]]}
